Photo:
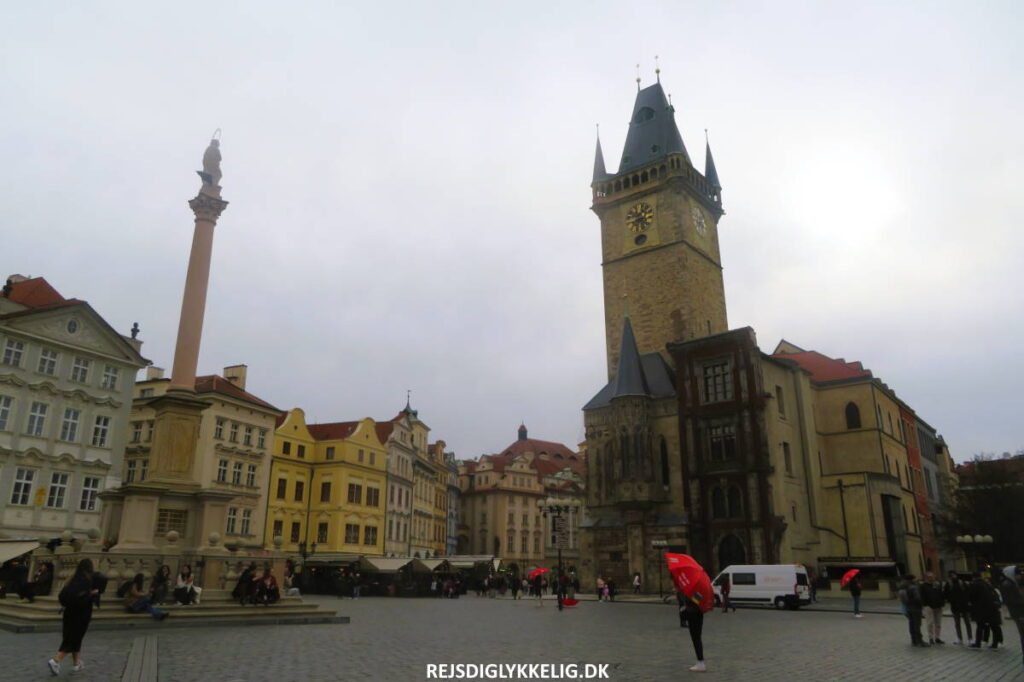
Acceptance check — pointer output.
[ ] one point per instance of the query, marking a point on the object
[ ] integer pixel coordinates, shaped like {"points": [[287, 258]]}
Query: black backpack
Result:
{"points": [[65, 596], [125, 587]]}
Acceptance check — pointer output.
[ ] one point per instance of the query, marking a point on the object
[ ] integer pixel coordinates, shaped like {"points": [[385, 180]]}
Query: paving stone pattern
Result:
{"points": [[393, 640]]}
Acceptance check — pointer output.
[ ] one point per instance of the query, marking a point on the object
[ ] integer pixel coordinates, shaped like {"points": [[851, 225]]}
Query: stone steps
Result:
{"points": [[216, 608]]}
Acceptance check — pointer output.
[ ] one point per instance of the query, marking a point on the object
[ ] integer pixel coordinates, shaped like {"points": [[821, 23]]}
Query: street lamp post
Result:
{"points": [[972, 544], [304, 554], [556, 508]]}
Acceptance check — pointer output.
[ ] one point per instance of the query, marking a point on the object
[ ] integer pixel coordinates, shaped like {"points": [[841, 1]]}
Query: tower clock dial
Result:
{"points": [[698, 221], [640, 217]]}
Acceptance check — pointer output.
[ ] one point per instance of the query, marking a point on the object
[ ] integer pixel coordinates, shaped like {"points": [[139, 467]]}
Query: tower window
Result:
{"points": [[643, 115], [717, 382], [852, 416]]}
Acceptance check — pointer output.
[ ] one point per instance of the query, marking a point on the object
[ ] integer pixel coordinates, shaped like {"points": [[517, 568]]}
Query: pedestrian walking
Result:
{"points": [[514, 584], [812, 583], [601, 587], [933, 596], [1010, 588], [636, 583], [913, 608], [77, 599], [956, 593], [538, 582], [725, 588], [855, 589], [695, 622]]}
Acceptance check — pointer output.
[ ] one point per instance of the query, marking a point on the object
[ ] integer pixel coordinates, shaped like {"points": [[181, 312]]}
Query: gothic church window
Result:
{"points": [[722, 442], [852, 416], [664, 462], [718, 509], [735, 502]]}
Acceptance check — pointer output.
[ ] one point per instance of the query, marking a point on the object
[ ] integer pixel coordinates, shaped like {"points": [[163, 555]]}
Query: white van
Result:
{"points": [[779, 585]]}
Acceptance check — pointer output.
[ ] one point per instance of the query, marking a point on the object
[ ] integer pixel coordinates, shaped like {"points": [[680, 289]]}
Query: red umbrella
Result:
{"points": [[570, 602], [537, 571], [690, 579], [848, 576]]}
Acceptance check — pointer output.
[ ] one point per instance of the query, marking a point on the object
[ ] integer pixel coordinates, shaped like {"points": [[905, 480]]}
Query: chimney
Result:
{"points": [[154, 373], [236, 375]]}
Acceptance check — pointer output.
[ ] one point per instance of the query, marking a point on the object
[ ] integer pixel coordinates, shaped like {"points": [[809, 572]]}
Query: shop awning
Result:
{"points": [[471, 560], [391, 565], [13, 548], [434, 564], [861, 564], [331, 559]]}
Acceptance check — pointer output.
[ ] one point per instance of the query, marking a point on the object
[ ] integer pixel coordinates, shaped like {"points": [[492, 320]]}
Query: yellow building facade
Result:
{"points": [[327, 486]]}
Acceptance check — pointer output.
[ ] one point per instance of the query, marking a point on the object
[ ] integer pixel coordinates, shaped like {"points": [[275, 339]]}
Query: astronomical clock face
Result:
{"points": [[698, 221], [640, 217]]}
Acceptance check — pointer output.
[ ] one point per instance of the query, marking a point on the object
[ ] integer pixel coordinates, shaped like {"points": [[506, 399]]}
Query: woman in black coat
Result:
{"points": [[161, 584], [77, 600], [985, 610]]}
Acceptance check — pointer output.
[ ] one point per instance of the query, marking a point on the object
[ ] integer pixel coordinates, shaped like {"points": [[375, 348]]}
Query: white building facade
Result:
{"points": [[66, 380]]}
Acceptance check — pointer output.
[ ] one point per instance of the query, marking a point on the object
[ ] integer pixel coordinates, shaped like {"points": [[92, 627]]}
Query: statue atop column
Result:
{"points": [[211, 169]]}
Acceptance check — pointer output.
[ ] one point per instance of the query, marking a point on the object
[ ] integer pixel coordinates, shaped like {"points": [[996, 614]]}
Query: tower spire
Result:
{"points": [[710, 173], [599, 170]]}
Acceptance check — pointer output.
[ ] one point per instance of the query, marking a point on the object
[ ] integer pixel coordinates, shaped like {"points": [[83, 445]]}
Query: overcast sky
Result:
{"points": [[409, 188]]}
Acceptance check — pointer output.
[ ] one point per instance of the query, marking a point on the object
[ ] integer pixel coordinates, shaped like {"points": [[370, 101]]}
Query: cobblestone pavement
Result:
{"points": [[395, 639]]}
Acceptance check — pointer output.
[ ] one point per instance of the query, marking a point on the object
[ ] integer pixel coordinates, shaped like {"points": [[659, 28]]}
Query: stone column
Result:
{"points": [[207, 209]]}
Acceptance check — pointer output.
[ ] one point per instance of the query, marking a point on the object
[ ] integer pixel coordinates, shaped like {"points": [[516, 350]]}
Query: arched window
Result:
{"points": [[624, 453], [643, 115], [664, 462], [735, 502], [852, 416], [718, 510], [731, 552]]}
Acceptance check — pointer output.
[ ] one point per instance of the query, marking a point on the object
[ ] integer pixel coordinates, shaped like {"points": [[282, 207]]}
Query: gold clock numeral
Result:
{"points": [[640, 217]]}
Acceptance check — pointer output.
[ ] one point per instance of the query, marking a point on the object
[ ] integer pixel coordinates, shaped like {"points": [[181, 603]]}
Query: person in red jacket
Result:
{"points": [[726, 588]]}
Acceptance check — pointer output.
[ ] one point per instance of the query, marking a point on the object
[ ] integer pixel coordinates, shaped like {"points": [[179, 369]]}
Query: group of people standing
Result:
{"points": [[979, 600], [605, 589]]}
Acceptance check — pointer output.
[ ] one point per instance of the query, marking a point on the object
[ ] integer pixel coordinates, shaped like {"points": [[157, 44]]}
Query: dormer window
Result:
{"points": [[643, 115]]}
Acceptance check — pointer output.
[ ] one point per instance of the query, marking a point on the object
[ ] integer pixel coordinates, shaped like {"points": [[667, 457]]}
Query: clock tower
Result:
{"points": [[659, 235], [662, 284]]}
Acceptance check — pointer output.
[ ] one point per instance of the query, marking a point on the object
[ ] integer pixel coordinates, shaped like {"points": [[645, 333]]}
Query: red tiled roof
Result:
{"points": [[333, 431], [384, 431], [37, 295], [212, 383], [823, 368], [34, 293]]}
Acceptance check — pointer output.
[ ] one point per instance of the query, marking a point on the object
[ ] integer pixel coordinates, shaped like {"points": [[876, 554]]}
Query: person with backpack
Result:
{"points": [[913, 608], [76, 599], [985, 609]]}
